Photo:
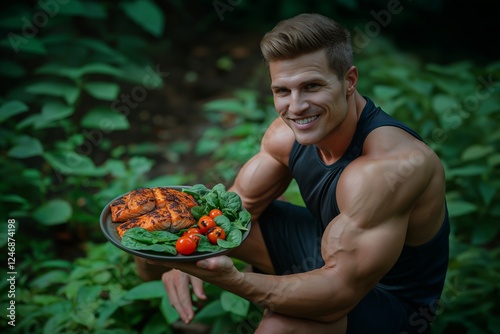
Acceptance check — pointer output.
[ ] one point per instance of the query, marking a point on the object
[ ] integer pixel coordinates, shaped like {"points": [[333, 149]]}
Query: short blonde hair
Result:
{"points": [[306, 33]]}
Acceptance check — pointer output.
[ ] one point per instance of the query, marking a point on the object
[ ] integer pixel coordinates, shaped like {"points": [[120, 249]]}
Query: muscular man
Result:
{"points": [[369, 253]]}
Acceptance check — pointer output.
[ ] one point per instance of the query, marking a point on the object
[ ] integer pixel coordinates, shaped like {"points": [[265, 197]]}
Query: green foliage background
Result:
{"points": [[64, 123]]}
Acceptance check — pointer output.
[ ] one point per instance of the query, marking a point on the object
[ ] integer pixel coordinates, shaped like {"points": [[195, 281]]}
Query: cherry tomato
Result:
{"points": [[186, 245], [205, 223], [193, 234], [215, 212], [195, 237], [215, 233], [192, 230]]}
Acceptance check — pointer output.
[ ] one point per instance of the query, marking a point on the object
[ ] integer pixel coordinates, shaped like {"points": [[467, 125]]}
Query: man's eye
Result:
{"points": [[280, 91], [312, 86]]}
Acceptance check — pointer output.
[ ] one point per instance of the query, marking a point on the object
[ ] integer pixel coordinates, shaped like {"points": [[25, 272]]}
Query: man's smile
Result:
{"points": [[304, 121]]}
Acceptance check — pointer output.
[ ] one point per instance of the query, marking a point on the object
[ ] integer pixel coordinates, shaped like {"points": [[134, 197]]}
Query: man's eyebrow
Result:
{"points": [[303, 83]]}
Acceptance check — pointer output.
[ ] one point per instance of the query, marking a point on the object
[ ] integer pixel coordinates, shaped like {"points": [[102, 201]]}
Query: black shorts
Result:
{"points": [[293, 238]]}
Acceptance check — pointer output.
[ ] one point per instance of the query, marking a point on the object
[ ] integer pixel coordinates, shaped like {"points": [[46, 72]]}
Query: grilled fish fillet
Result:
{"points": [[164, 195], [172, 212], [133, 204], [156, 220]]}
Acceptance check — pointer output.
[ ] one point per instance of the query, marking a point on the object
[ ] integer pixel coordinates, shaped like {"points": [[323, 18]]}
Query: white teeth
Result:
{"points": [[306, 120]]}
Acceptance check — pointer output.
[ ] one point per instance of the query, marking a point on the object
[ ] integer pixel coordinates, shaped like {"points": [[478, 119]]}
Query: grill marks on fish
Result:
{"points": [[164, 195], [156, 220], [181, 215], [132, 204], [171, 210]]}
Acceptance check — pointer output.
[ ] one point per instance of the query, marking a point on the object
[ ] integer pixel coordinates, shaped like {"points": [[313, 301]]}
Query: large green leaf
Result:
{"points": [[442, 103], [54, 111], [26, 147], [19, 43], [234, 304], [459, 208], [384, 92], [477, 151], [56, 276], [56, 211], [140, 165], [101, 47], [75, 73], [103, 90], [494, 160], [420, 86], [146, 14], [146, 291], [105, 119], [226, 105], [489, 106], [67, 91], [51, 113], [210, 311], [488, 191], [457, 70], [116, 168], [72, 163], [467, 170], [12, 108], [485, 233], [168, 311], [89, 9]]}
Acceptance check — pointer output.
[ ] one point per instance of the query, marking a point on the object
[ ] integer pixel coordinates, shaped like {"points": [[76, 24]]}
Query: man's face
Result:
{"points": [[308, 96]]}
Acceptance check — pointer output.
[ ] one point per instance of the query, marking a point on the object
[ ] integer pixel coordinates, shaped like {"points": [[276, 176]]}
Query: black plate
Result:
{"points": [[110, 232]]}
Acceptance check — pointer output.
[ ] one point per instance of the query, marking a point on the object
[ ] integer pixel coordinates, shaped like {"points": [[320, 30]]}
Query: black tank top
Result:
{"points": [[419, 273]]}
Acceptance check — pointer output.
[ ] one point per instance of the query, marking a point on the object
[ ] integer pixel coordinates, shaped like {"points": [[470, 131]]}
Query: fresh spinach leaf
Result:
{"points": [[129, 241], [233, 239], [206, 246]]}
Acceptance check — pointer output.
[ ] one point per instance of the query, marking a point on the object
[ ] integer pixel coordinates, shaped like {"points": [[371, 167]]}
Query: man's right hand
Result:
{"points": [[178, 286]]}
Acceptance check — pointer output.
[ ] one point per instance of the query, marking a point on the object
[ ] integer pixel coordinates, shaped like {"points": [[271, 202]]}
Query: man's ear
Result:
{"points": [[351, 80]]}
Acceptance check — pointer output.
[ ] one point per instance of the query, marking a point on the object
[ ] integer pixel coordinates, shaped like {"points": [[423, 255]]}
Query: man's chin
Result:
{"points": [[304, 141]]}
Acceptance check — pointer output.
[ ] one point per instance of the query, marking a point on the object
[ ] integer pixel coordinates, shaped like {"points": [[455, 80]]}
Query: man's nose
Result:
{"points": [[297, 103]]}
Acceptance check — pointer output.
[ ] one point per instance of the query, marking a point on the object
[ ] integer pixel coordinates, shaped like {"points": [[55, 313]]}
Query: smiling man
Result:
{"points": [[369, 252]]}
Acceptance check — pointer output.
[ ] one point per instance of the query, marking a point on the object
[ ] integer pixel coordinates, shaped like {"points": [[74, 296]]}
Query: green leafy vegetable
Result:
{"points": [[234, 220], [159, 241], [218, 198]]}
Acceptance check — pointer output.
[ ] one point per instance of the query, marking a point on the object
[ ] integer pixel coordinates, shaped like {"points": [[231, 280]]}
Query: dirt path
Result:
{"points": [[210, 70]]}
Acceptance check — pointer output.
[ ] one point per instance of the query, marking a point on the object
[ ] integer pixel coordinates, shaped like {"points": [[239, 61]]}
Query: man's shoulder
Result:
{"points": [[390, 141], [278, 140], [391, 159]]}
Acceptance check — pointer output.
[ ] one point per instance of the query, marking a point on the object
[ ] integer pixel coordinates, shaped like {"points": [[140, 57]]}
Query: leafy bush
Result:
{"points": [[61, 158], [101, 293], [65, 104]]}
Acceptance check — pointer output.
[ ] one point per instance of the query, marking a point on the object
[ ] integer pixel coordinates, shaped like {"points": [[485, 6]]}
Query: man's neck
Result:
{"points": [[336, 144]]}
